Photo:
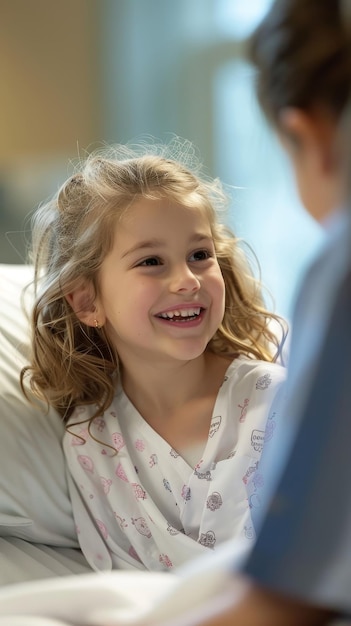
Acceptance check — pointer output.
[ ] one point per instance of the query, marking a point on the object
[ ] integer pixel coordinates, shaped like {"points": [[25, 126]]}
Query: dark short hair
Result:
{"points": [[302, 53]]}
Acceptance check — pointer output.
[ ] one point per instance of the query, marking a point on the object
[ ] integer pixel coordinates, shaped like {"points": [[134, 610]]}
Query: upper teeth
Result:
{"points": [[181, 313]]}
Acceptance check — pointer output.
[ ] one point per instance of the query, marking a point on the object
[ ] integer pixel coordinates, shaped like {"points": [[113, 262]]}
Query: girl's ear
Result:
{"points": [[83, 302]]}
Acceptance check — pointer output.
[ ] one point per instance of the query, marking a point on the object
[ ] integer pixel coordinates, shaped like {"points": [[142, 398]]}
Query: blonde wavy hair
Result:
{"points": [[74, 364]]}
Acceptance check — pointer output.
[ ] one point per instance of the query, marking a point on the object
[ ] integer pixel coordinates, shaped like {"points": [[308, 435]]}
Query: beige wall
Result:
{"points": [[49, 69], [50, 104]]}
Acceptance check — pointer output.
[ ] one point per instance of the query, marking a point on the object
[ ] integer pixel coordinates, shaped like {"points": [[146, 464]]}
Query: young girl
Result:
{"points": [[151, 339]]}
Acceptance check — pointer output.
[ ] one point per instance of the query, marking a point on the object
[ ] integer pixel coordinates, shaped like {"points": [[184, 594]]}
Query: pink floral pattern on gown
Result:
{"points": [[146, 507]]}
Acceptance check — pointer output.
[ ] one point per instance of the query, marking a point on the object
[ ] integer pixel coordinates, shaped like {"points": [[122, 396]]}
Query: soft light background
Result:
{"points": [[77, 73]]}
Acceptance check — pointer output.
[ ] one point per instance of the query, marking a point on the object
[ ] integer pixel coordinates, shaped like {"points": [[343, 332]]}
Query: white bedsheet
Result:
{"points": [[119, 598], [22, 561]]}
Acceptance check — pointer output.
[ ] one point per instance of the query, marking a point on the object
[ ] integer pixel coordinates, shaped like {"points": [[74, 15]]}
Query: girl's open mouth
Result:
{"points": [[181, 316]]}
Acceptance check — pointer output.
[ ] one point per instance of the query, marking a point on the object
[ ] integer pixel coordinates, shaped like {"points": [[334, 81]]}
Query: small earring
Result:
{"points": [[97, 325]]}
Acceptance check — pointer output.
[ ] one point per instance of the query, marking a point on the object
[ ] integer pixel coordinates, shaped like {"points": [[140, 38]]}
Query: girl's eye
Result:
{"points": [[200, 255], [152, 260]]}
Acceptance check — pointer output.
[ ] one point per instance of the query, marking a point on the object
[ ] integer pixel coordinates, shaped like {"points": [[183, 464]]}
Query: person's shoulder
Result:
{"points": [[328, 263]]}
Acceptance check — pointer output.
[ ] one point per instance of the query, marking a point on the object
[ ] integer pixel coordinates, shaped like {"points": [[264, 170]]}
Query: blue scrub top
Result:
{"points": [[304, 544]]}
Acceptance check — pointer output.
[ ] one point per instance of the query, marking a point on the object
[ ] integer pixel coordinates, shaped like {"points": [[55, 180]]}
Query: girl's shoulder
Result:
{"points": [[82, 415], [86, 427], [253, 374]]}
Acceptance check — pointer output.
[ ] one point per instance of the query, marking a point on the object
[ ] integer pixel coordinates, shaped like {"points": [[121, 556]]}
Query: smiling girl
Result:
{"points": [[151, 338]]}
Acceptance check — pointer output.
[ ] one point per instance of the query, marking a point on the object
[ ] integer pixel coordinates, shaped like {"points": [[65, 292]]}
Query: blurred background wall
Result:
{"points": [[78, 73]]}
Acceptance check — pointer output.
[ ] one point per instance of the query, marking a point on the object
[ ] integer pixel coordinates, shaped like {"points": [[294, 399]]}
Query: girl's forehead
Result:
{"points": [[165, 206], [160, 218]]}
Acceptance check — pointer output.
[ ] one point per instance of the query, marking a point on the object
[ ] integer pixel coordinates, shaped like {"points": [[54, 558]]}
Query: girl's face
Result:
{"points": [[161, 290]]}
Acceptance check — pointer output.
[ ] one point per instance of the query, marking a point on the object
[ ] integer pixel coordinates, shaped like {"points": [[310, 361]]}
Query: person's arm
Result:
{"points": [[260, 607], [264, 608]]}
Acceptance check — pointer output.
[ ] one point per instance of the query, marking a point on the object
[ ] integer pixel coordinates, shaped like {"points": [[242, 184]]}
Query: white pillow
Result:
{"points": [[34, 501]]}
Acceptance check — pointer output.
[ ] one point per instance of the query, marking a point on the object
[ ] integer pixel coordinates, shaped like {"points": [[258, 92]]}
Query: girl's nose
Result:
{"points": [[184, 280]]}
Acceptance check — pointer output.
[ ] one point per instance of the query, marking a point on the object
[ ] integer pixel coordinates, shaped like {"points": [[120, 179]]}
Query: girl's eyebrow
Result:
{"points": [[149, 244], [159, 243]]}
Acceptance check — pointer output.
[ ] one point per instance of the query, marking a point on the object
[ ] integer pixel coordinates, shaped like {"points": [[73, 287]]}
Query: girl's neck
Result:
{"points": [[163, 390], [178, 402]]}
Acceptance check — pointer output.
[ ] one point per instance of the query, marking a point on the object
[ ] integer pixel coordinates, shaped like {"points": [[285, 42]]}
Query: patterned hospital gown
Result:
{"points": [[146, 507]]}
